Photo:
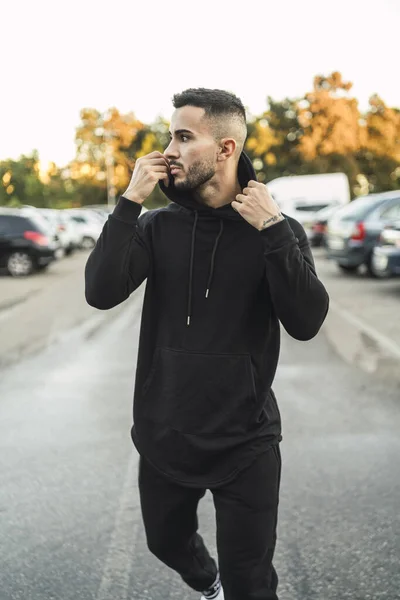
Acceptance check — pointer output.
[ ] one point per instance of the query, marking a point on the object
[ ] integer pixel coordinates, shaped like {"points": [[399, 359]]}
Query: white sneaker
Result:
{"points": [[219, 596], [215, 592]]}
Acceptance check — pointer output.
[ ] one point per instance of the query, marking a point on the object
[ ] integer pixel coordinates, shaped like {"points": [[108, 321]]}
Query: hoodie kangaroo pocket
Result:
{"points": [[200, 393]]}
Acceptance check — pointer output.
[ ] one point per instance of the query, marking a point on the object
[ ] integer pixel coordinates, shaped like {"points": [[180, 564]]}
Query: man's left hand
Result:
{"points": [[257, 206]]}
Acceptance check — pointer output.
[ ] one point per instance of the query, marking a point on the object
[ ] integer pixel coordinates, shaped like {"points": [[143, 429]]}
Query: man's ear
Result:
{"points": [[227, 147]]}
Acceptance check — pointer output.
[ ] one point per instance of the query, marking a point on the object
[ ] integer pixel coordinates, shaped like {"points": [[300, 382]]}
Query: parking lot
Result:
{"points": [[67, 373], [71, 524]]}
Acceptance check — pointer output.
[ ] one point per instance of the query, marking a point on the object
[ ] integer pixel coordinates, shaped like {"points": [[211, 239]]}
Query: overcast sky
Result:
{"points": [[59, 58]]}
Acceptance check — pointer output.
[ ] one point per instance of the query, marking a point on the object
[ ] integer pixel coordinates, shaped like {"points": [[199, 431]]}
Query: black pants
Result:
{"points": [[246, 518]]}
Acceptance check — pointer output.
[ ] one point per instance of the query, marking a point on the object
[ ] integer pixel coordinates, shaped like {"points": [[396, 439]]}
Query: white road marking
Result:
{"points": [[385, 342], [118, 565]]}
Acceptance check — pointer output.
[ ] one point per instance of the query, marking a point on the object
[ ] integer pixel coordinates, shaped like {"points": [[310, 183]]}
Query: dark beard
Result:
{"points": [[197, 175]]}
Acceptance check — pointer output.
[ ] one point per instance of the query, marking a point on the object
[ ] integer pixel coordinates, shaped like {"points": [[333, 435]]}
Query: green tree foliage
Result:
{"points": [[27, 182], [113, 137], [20, 182], [273, 141], [102, 139]]}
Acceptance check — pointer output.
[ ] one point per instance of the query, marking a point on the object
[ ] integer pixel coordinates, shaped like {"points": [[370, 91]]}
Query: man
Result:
{"points": [[223, 268]]}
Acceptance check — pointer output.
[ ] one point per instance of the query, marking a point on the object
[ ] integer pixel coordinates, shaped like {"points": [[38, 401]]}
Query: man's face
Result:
{"points": [[192, 152]]}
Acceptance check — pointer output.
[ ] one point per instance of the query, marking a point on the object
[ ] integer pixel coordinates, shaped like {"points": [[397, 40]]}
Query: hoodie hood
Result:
{"points": [[185, 198]]}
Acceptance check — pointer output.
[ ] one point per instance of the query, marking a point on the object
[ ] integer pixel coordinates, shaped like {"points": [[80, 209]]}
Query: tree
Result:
{"points": [[330, 119], [120, 137], [273, 138], [20, 181], [324, 132], [100, 137], [379, 155], [382, 129]]}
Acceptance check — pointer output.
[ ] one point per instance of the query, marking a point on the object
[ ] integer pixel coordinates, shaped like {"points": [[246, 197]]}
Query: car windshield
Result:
{"points": [[358, 209]]}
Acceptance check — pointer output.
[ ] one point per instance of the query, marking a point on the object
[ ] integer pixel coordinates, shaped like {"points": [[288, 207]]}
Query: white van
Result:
{"points": [[301, 196]]}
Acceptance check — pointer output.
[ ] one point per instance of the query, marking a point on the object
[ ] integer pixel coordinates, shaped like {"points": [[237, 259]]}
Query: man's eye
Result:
{"points": [[184, 138]]}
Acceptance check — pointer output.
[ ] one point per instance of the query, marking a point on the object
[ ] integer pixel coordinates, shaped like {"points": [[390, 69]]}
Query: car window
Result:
{"points": [[4, 224], [391, 213], [14, 224], [78, 219], [358, 209]]}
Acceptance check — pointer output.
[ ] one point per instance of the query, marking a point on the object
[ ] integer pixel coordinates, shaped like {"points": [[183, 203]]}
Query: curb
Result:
{"points": [[361, 345]]}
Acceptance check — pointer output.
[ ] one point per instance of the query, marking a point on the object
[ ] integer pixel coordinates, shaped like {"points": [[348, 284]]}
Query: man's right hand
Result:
{"points": [[148, 171]]}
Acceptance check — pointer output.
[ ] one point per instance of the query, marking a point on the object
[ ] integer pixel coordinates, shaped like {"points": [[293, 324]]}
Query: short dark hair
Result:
{"points": [[224, 110], [215, 102]]}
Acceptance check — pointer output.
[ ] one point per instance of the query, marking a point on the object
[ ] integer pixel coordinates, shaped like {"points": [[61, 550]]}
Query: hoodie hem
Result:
{"points": [[245, 463]]}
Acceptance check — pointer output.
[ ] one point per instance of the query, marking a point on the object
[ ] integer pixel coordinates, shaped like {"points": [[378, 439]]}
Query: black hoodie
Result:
{"points": [[209, 342]]}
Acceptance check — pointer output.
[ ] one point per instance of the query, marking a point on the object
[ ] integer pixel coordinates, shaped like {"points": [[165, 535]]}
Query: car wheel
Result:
{"points": [[348, 268], [374, 269], [88, 243], [20, 264]]}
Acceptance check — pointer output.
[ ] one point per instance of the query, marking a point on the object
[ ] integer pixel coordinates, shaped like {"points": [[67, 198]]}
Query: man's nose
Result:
{"points": [[171, 151]]}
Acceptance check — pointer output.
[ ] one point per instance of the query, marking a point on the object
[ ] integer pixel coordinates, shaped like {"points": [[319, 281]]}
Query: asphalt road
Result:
{"points": [[363, 322], [70, 524], [36, 311]]}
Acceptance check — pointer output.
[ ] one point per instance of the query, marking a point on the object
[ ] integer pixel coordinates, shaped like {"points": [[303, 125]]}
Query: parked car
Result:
{"points": [[319, 225], [73, 231], [98, 215], [354, 230], [103, 210], [25, 243], [386, 256], [64, 227], [48, 224], [89, 226]]}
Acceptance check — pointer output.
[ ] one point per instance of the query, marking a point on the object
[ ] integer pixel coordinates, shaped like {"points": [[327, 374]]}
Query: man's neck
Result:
{"points": [[219, 192]]}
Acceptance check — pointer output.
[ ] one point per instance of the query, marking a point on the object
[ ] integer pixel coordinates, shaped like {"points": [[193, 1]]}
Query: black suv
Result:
{"points": [[26, 245]]}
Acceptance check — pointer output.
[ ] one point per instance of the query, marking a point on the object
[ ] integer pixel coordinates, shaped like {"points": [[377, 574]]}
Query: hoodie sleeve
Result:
{"points": [[120, 261], [299, 298]]}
